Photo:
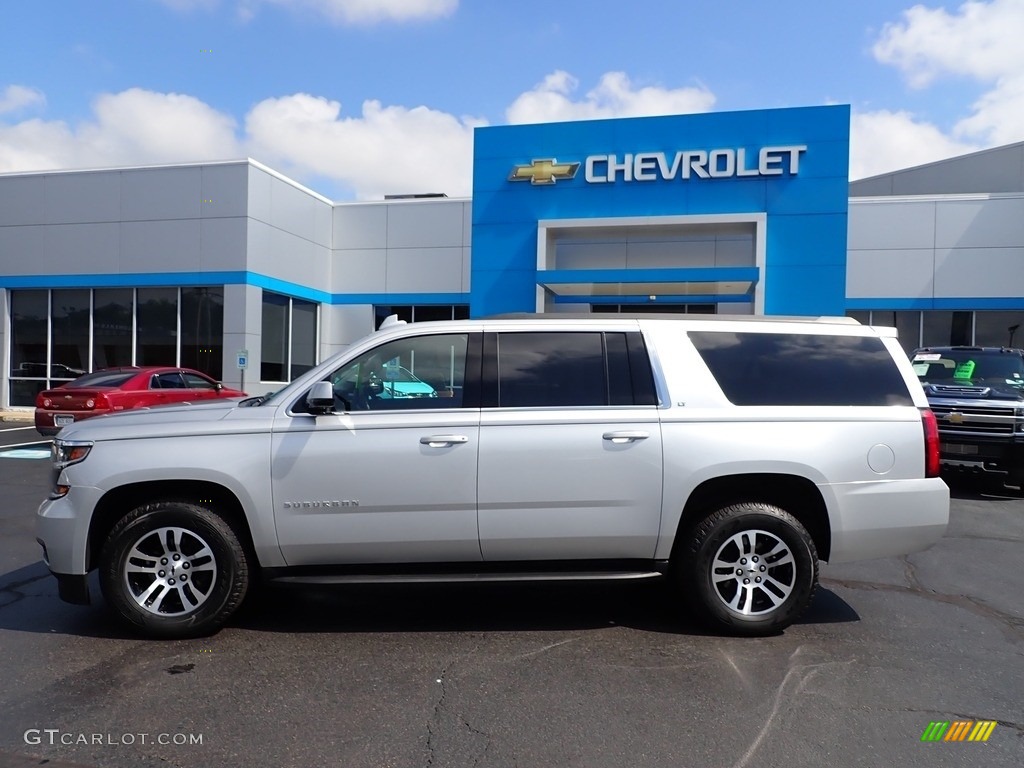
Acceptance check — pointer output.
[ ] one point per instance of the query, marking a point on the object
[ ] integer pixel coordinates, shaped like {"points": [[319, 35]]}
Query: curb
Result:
{"points": [[17, 416]]}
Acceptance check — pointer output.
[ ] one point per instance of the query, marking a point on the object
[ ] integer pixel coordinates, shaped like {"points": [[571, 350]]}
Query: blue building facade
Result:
{"points": [[747, 209]]}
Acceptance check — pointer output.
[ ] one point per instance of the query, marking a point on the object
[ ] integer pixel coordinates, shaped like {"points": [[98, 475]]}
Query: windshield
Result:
{"points": [[969, 366]]}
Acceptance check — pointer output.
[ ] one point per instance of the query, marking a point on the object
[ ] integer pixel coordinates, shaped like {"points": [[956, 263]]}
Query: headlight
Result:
{"points": [[1018, 419], [68, 452]]}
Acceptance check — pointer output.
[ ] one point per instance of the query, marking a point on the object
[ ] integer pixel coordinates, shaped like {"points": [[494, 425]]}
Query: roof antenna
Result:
{"points": [[389, 321]]}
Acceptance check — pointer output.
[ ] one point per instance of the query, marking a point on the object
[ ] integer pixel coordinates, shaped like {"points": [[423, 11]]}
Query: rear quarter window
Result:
{"points": [[801, 369]]}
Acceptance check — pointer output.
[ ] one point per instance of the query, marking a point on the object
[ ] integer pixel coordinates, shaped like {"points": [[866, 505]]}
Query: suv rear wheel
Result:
{"points": [[174, 569], [749, 568]]}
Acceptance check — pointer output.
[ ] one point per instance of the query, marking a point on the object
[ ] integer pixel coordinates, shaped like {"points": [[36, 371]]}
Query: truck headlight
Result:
{"points": [[68, 452]]}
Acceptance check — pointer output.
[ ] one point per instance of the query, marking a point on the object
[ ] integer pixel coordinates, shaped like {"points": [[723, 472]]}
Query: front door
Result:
{"points": [[391, 477]]}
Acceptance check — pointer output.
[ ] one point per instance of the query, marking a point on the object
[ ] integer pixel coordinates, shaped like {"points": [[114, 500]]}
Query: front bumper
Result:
{"points": [[982, 455], [62, 530]]}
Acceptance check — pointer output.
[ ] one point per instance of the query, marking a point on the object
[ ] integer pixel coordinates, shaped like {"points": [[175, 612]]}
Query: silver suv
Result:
{"points": [[726, 454]]}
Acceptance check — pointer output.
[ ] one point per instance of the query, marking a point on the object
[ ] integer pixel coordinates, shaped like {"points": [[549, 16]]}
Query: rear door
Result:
{"points": [[570, 447]]}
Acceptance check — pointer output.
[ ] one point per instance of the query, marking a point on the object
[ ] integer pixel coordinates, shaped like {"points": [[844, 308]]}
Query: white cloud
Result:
{"points": [[17, 97], [614, 96], [365, 11], [384, 150], [981, 41], [132, 127], [886, 141]]}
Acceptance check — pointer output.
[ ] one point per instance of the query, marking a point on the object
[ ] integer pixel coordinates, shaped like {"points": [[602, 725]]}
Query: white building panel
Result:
{"points": [[259, 197], [361, 226], [360, 270], [467, 222], [979, 272], [671, 254], [23, 249], [988, 223], [22, 200], [424, 270], [77, 249], [160, 246], [735, 252], [259, 251], [894, 273], [76, 198], [892, 225], [590, 255], [223, 244], [342, 324], [154, 194], [292, 210], [296, 260], [323, 226], [224, 190], [419, 224]]}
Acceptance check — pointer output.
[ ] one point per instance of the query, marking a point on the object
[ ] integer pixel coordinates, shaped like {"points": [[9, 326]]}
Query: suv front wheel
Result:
{"points": [[749, 568], [174, 569]]}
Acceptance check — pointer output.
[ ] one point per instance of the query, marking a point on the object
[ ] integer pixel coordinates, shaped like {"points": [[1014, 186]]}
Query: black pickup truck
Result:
{"points": [[977, 395]]}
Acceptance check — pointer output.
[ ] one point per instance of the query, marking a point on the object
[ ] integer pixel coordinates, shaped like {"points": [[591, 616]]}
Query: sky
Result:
{"points": [[361, 98]]}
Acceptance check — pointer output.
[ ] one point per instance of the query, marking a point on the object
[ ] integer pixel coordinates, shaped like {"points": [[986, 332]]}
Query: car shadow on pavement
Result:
{"points": [[493, 607], [29, 603]]}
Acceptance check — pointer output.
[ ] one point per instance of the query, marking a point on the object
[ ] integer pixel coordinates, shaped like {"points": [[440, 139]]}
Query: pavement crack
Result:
{"points": [[11, 594], [804, 673], [436, 716], [1014, 625]]}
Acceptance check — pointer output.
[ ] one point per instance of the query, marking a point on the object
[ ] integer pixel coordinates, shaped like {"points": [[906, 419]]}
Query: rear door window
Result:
{"points": [[802, 369], [567, 369]]}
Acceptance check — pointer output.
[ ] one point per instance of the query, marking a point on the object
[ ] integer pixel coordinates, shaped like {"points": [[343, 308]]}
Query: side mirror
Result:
{"points": [[218, 386], [320, 399]]}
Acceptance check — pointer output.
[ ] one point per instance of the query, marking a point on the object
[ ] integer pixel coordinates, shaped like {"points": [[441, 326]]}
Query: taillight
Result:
{"points": [[47, 402], [931, 443], [99, 401]]}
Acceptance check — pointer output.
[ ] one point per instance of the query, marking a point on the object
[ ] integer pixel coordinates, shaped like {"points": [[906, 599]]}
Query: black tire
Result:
{"points": [[727, 581], [172, 569]]}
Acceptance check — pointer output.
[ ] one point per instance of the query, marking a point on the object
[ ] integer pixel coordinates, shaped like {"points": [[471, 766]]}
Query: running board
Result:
{"points": [[463, 578]]}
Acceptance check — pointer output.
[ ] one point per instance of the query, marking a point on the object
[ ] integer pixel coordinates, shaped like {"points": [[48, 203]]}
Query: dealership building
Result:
{"points": [[219, 264]]}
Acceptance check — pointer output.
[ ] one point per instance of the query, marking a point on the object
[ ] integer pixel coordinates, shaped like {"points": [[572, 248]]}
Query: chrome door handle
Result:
{"points": [[625, 437], [439, 441]]}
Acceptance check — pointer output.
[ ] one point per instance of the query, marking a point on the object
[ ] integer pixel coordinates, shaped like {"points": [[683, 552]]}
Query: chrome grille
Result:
{"points": [[971, 418]]}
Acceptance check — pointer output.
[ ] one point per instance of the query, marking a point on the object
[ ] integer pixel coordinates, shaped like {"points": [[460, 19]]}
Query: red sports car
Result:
{"points": [[120, 389]]}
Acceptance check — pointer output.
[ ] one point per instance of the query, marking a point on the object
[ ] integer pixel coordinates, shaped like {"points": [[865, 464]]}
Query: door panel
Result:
{"points": [[393, 479], [570, 484], [367, 488]]}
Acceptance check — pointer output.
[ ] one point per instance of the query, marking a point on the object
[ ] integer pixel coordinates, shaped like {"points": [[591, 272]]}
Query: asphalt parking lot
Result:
{"points": [[523, 675]]}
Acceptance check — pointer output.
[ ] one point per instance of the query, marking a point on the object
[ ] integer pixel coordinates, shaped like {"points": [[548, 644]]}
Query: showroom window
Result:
{"points": [[942, 328], [420, 313], [156, 340], [289, 337], [57, 335]]}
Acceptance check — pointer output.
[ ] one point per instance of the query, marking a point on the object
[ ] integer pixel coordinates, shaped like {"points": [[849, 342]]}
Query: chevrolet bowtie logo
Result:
{"points": [[543, 171]]}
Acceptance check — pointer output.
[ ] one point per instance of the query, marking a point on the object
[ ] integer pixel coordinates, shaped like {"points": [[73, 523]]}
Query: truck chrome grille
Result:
{"points": [[996, 421]]}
